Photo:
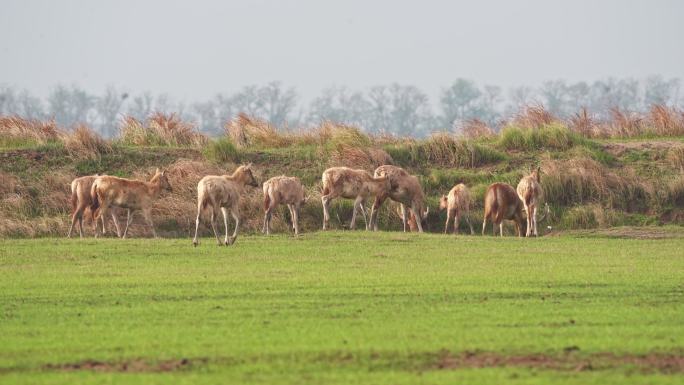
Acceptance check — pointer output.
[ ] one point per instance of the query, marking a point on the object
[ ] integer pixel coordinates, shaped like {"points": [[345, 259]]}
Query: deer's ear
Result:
{"points": [[163, 173], [157, 171]]}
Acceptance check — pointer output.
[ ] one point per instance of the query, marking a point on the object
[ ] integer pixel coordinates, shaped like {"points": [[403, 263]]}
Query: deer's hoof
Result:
{"points": [[195, 243]]}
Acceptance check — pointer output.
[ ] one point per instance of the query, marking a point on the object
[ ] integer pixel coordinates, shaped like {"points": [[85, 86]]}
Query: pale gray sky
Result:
{"points": [[194, 49]]}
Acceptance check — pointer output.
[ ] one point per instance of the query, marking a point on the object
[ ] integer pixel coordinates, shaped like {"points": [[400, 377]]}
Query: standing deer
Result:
{"points": [[110, 191], [501, 202], [351, 184], [283, 190], [405, 189], [457, 202], [80, 204], [531, 193], [223, 192]]}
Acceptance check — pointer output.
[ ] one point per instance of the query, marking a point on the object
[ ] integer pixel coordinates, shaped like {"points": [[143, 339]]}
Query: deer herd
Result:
{"points": [[103, 195]]}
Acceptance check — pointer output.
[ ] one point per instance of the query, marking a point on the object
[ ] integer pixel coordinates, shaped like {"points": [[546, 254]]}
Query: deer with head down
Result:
{"points": [[81, 202], [344, 182], [502, 202], [456, 203], [223, 192], [285, 190], [404, 189], [531, 193], [111, 191]]}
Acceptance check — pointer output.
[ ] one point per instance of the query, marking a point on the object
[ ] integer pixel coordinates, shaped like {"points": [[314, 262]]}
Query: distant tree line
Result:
{"points": [[394, 109]]}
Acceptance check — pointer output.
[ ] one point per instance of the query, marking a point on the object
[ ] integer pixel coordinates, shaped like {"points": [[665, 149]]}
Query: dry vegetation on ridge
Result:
{"points": [[590, 177]]}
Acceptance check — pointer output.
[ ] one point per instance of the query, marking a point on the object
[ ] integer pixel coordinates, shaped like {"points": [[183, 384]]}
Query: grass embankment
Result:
{"points": [[343, 308], [589, 181]]}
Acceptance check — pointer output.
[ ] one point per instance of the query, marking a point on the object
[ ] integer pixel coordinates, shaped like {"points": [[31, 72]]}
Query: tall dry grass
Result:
{"points": [[161, 130], [84, 142], [17, 131]]}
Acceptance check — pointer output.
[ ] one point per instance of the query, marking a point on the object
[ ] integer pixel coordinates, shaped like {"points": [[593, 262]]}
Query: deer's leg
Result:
{"points": [[295, 218], [404, 215], [325, 199], [467, 215], [534, 220], [417, 215], [100, 213], [148, 218], [77, 216], [357, 203], [115, 218], [456, 220], [236, 215], [501, 229], [363, 212], [484, 224], [224, 211], [528, 220], [129, 220], [377, 203], [267, 221], [195, 241], [290, 207], [446, 224], [214, 215]]}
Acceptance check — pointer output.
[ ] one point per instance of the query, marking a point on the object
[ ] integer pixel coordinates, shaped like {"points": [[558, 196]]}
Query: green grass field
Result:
{"points": [[341, 308]]}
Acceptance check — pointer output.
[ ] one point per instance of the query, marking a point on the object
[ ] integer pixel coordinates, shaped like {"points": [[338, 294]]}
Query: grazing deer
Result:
{"points": [[531, 193], [351, 184], [405, 189], [457, 202], [223, 192], [80, 204], [283, 190], [110, 191], [501, 202]]}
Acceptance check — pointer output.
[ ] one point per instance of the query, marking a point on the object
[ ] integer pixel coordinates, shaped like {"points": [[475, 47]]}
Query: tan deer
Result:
{"points": [[80, 205], [285, 190], [344, 182], [223, 192], [501, 202], [456, 203], [531, 193], [133, 195], [404, 189]]}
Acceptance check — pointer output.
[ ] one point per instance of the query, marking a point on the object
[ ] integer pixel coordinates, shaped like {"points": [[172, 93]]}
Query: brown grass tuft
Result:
{"points": [[85, 142], [15, 130], [534, 116], [161, 130], [475, 128], [248, 131]]}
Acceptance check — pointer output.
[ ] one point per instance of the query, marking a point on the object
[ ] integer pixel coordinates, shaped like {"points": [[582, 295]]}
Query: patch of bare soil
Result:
{"points": [[625, 232], [133, 366], [658, 362], [619, 148]]}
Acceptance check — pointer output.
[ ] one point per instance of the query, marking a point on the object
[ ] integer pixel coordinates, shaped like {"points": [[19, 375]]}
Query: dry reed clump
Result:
{"points": [[364, 158], [583, 180], [675, 190], [34, 227], [534, 116], [474, 129], [675, 155], [585, 124], [448, 150], [624, 123], [160, 130], [665, 121], [85, 142], [246, 131], [15, 130]]}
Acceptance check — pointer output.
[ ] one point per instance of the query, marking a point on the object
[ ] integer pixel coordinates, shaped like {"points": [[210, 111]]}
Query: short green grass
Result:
{"points": [[337, 307]]}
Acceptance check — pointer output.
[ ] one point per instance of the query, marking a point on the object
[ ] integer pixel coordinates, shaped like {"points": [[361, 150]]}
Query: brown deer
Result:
{"points": [[223, 192], [531, 193], [344, 182], [404, 189], [285, 190], [501, 202], [80, 204], [456, 203], [111, 191]]}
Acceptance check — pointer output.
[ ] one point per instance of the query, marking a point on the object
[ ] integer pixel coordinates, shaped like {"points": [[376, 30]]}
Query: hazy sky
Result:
{"points": [[194, 49]]}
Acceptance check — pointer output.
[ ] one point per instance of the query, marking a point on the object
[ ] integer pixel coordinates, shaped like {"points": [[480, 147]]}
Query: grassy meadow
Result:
{"points": [[344, 307]]}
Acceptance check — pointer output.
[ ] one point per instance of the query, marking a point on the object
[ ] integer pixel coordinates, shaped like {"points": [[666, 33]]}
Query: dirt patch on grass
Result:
{"points": [[625, 232], [619, 148], [570, 361], [133, 366]]}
